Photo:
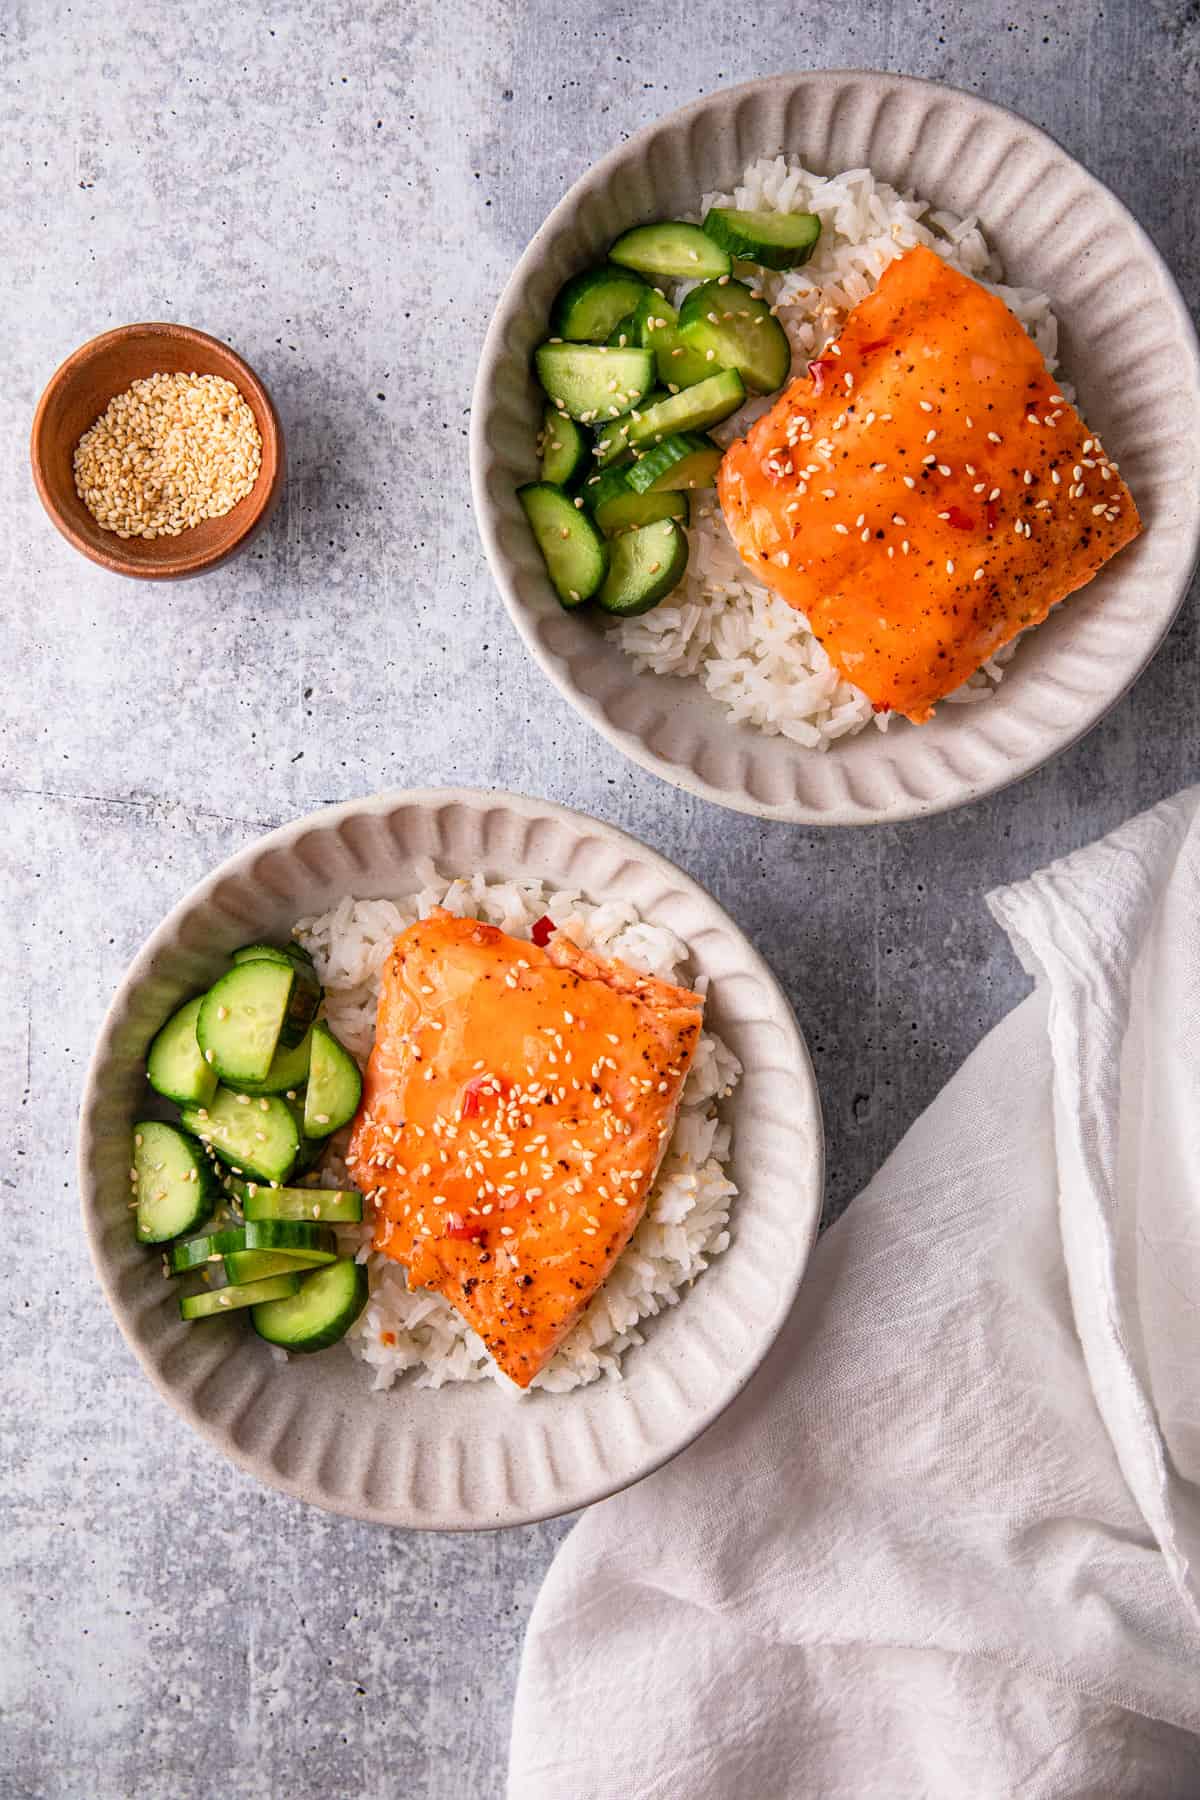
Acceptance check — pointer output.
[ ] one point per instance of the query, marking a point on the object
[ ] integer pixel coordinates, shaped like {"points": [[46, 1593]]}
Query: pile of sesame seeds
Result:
{"points": [[167, 453]]}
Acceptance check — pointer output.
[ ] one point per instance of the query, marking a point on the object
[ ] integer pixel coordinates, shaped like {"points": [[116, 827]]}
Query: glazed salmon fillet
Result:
{"points": [[517, 1103], [926, 492]]}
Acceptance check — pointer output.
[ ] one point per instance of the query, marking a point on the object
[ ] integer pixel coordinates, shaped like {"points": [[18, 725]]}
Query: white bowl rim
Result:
{"points": [[487, 522], [809, 1189]]}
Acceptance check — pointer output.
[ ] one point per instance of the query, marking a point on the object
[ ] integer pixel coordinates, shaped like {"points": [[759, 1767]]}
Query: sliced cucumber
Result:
{"points": [[656, 325], [290, 952], [588, 306], [172, 1183], [670, 250], [592, 382], [624, 333], [617, 506], [645, 566], [323, 1311], [773, 240], [301, 1236], [306, 995], [332, 1206], [739, 330], [228, 1299], [698, 407], [193, 1253], [334, 1084], [175, 1065], [258, 1137], [258, 1265], [612, 440], [686, 460], [564, 448], [288, 1071], [572, 549], [241, 1017]]}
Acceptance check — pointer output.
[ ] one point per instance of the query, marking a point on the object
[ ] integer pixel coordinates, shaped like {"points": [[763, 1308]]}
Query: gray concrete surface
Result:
{"points": [[339, 187]]}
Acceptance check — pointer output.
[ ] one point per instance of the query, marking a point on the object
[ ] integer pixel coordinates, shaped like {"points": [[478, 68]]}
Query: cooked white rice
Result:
{"points": [[751, 650], [686, 1219]]}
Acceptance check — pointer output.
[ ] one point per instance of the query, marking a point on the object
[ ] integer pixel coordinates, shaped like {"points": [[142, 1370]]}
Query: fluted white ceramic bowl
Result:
{"points": [[468, 1455], [1127, 344]]}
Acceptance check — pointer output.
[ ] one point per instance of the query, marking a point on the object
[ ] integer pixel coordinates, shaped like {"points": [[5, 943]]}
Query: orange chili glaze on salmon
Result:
{"points": [[516, 1106], [926, 493]]}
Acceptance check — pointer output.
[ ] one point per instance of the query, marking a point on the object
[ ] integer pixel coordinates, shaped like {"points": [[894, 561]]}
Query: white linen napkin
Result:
{"points": [[948, 1542]]}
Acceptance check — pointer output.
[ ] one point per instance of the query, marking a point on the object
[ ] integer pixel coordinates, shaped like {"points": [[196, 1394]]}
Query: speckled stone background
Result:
{"points": [[339, 187]]}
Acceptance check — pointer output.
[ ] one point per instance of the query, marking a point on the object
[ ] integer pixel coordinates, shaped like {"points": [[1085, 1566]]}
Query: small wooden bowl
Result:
{"points": [[78, 393]]}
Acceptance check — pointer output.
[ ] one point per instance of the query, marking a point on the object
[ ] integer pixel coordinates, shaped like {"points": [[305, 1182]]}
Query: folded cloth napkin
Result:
{"points": [[948, 1542]]}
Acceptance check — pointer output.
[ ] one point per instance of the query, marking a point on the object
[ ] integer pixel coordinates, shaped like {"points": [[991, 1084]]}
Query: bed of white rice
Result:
{"points": [[686, 1220], [752, 651]]}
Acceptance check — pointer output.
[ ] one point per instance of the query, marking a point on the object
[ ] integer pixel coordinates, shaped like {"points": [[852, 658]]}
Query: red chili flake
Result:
{"points": [[875, 344], [817, 371], [387, 1337], [543, 930], [958, 520], [990, 516], [472, 1100], [880, 706], [470, 1230]]}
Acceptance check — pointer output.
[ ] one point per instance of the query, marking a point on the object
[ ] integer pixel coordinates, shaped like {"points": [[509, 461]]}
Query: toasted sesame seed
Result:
{"points": [[167, 453]]}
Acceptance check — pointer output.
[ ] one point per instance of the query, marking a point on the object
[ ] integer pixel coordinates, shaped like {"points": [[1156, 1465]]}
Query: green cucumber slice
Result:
{"points": [[670, 250], [695, 409], [228, 1299], [739, 330], [588, 306], [572, 549], [291, 952], [334, 1084], [592, 382], [306, 995], [656, 323], [773, 240], [288, 1071], [257, 1137], [299, 1235], [686, 460], [645, 566], [259, 1265], [333, 1206], [193, 1253], [563, 448], [241, 1017], [175, 1065], [172, 1183], [323, 1311], [612, 440], [624, 333], [617, 506]]}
